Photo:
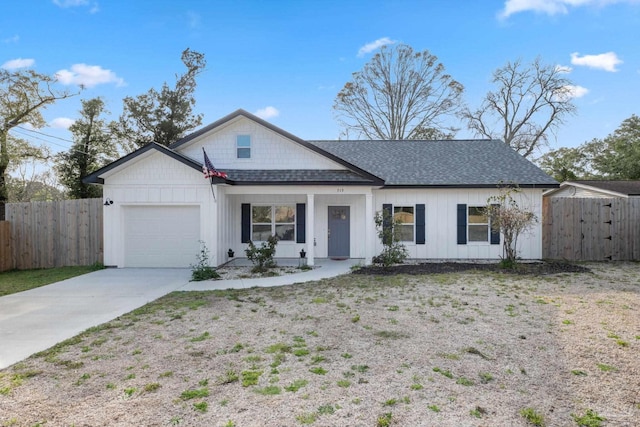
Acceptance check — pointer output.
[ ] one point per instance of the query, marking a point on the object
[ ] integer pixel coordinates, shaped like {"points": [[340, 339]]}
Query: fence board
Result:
{"points": [[591, 229], [55, 234], [6, 256]]}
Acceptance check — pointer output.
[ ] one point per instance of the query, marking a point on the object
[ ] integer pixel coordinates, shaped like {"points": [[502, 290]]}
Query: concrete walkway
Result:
{"points": [[37, 319]]}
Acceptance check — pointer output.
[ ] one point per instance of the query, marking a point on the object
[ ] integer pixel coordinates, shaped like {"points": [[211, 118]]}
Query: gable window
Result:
{"points": [[268, 220], [478, 224], [243, 146], [405, 216]]}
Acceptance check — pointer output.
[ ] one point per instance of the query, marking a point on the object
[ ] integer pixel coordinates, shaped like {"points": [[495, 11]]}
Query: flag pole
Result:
{"points": [[212, 192]]}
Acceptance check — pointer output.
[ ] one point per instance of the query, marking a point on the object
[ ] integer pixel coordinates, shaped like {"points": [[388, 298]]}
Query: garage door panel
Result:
{"points": [[161, 236]]}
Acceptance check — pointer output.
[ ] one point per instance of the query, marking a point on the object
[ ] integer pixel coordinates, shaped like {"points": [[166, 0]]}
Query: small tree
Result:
{"points": [[511, 220], [393, 251], [262, 257]]}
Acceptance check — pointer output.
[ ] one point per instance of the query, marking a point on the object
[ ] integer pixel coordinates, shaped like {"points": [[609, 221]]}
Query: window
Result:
{"points": [[478, 224], [243, 146], [404, 215], [273, 220]]}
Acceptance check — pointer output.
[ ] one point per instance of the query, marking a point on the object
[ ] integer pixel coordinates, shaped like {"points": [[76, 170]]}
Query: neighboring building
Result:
{"points": [[320, 196], [594, 188]]}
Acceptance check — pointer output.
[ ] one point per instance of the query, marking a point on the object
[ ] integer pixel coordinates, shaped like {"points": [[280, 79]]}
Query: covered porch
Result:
{"points": [[325, 222]]}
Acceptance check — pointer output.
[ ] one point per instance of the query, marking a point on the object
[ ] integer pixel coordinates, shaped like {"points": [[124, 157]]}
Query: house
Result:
{"points": [[596, 189], [320, 196]]}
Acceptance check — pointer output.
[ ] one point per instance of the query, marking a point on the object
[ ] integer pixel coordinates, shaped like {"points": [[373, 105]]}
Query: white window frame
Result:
{"points": [[478, 224], [243, 147], [412, 224], [273, 223]]}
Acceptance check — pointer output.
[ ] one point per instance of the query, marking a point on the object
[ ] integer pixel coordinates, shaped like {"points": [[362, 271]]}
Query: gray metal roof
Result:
{"points": [[451, 163], [296, 176]]}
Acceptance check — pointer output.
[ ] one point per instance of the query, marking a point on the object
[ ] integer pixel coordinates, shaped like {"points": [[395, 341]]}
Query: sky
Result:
{"points": [[285, 60]]}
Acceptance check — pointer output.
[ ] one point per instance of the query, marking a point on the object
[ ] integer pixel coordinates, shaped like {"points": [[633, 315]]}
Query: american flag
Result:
{"points": [[209, 170]]}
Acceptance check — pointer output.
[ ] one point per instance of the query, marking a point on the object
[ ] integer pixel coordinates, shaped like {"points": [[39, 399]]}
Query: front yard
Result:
{"points": [[455, 349]]}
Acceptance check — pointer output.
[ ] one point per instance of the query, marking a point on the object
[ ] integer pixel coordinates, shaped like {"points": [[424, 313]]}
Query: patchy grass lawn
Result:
{"points": [[461, 349], [15, 281]]}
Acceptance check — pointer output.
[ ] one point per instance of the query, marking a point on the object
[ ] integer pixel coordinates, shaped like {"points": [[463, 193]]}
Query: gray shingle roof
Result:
{"points": [[630, 188], [295, 176], [452, 163]]}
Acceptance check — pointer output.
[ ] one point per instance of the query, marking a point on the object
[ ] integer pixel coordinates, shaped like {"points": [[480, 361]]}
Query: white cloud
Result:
{"points": [[570, 91], [75, 3], [14, 64], [552, 7], [370, 47], [267, 112], [70, 3], [61, 123], [604, 61], [563, 69], [14, 39], [576, 91], [194, 20], [88, 76]]}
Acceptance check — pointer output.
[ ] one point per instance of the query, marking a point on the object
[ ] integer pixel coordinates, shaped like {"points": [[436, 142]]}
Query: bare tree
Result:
{"points": [[530, 102], [22, 95], [398, 95]]}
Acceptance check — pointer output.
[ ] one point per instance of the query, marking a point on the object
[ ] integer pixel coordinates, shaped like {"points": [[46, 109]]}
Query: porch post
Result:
{"points": [[310, 238], [369, 229]]}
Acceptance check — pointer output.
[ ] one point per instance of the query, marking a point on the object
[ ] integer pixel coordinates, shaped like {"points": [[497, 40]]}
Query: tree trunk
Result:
{"points": [[4, 164]]}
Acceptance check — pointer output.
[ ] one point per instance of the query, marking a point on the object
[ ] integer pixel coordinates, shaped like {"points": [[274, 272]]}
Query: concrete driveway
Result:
{"points": [[37, 319]]}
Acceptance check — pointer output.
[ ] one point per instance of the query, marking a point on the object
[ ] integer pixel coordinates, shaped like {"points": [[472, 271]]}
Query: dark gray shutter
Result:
{"points": [[246, 223], [420, 225], [462, 224], [387, 223], [301, 220], [495, 232]]}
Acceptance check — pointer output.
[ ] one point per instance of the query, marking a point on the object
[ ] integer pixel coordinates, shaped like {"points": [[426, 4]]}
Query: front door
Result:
{"points": [[338, 232]]}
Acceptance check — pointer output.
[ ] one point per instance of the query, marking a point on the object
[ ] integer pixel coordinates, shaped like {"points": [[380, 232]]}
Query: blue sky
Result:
{"points": [[286, 60]]}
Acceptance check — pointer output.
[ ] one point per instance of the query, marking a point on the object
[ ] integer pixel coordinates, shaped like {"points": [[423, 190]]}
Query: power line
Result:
{"points": [[47, 141], [45, 134]]}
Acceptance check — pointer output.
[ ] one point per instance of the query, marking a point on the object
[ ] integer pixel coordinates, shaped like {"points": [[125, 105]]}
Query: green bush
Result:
{"points": [[201, 270], [394, 251], [262, 257]]}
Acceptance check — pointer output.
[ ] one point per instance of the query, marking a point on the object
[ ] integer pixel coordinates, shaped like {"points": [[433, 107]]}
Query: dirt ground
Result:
{"points": [[437, 347]]}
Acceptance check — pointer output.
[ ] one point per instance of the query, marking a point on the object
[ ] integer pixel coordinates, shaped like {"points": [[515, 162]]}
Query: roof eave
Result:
{"points": [[397, 186], [96, 177]]}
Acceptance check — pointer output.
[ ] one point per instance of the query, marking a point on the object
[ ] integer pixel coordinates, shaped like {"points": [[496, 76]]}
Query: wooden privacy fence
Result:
{"points": [[591, 229], [6, 257], [54, 234]]}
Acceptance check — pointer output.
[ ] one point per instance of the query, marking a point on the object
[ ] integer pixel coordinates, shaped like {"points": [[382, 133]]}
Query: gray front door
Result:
{"points": [[339, 232]]}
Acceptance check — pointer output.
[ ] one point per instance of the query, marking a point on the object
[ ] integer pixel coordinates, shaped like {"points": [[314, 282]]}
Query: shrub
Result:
{"points": [[262, 257], [201, 270], [393, 251]]}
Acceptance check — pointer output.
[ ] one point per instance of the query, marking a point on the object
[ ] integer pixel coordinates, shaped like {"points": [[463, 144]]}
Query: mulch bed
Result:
{"points": [[524, 268]]}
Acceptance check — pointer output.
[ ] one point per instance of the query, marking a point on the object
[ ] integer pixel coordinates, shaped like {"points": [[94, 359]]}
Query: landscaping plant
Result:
{"points": [[201, 270], [388, 228], [510, 219], [262, 257]]}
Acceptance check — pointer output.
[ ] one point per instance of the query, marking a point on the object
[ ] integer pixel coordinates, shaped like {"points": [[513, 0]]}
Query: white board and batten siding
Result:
{"points": [[230, 216], [161, 210], [269, 149], [441, 222]]}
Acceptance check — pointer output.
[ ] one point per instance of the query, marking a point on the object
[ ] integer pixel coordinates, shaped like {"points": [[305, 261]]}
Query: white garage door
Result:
{"points": [[161, 236]]}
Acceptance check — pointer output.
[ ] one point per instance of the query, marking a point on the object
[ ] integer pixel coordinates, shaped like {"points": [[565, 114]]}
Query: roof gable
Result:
{"points": [[609, 188], [98, 176], [449, 163]]}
